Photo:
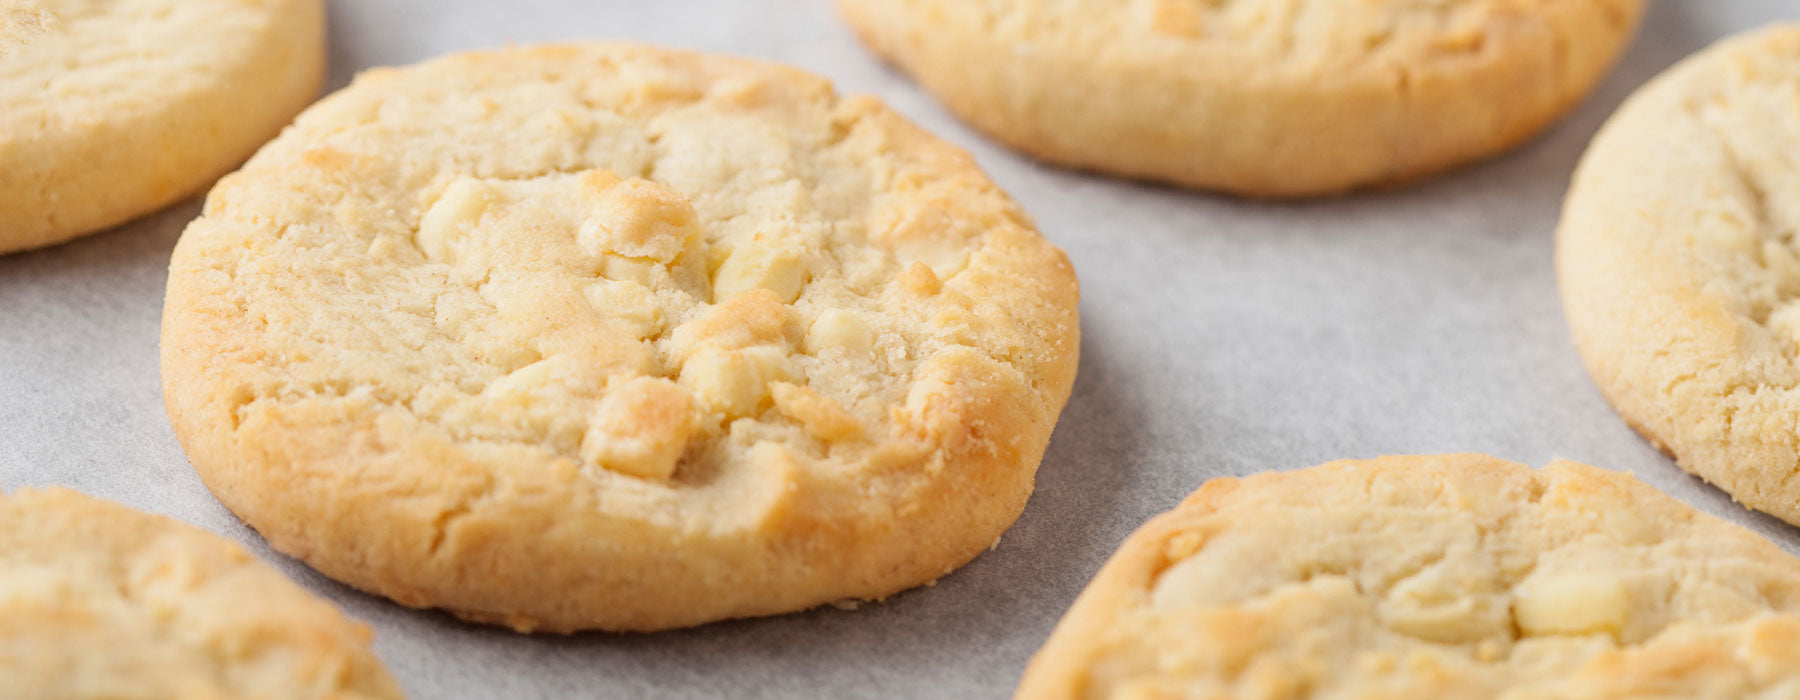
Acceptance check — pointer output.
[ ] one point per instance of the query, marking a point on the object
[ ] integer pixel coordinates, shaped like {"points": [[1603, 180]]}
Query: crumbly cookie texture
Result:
{"points": [[114, 109], [608, 336], [1441, 577], [98, 601], [1273, 98], [1680, 272]]}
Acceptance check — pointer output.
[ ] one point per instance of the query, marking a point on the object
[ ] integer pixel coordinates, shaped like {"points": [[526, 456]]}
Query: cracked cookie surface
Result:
{"points": [[1447, 576], [1256, 97], [101, 601], [116, 108], [1680, 272], [607, 336]]}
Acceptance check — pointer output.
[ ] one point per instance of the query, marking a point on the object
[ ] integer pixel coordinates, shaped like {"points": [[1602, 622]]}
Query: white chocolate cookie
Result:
{"points": [[1432, 578], [1275, 98], [101, 602], [609, 336], [1680, 271], [115, 108]]}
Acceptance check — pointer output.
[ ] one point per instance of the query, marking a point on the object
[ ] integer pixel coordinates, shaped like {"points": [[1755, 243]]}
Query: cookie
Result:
{"points": [[1449, 576], [101, 601], [1268, 98], [115, 109], [1679, 269], [609, 336]]}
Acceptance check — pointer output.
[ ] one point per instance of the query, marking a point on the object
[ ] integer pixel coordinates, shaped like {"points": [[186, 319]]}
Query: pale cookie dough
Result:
{"points": [[101, 602], [114, 108], [607, 336], [1432, 578], [1276, 98], [1680, 272]]}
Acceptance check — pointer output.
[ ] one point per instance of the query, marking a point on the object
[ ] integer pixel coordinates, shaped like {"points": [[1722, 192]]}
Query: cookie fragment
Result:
{"points": [[1446, 576], [116, 109], [101, 601], [1677, 264], [1267, 98]]}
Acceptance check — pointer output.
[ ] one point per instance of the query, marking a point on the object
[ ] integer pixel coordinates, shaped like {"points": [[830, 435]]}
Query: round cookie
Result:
{"points": [[1450, 576], [101, 601], [115, 109], [608, 336], [1680, 272], [1269, 98]]}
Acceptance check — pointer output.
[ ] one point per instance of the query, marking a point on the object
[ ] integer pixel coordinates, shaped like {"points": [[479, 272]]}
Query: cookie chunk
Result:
{"points": [[115, 109], [608, 336], [1451, 576], [98, 601], [1269, 98], [1680, 272]]}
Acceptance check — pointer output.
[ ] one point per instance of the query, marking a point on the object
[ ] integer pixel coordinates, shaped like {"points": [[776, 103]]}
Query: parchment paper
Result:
{"points": [[1220, 337]]}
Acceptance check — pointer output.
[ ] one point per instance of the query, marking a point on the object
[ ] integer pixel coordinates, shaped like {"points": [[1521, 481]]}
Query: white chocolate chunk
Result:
{"points": [[640, 428], [756, 265], [1585, 603], [515, 389], [840, 330], [1446, 604], [450, 217], [935, 232], [926, 394], [822, 417], [1781, 260], [627, 301], [1784, 322], [752, 318], [1629, 528], [918, 279], [944, 261], [734, 382], [639, 219], [641, 272], [1175, 18]]}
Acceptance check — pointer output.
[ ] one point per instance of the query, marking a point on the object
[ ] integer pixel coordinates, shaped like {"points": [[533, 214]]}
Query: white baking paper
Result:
{"points": [[1220, 337]]}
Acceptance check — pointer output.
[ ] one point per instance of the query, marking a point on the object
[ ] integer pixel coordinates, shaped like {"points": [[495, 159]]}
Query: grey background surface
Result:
{"points": [[1221, 337]]}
